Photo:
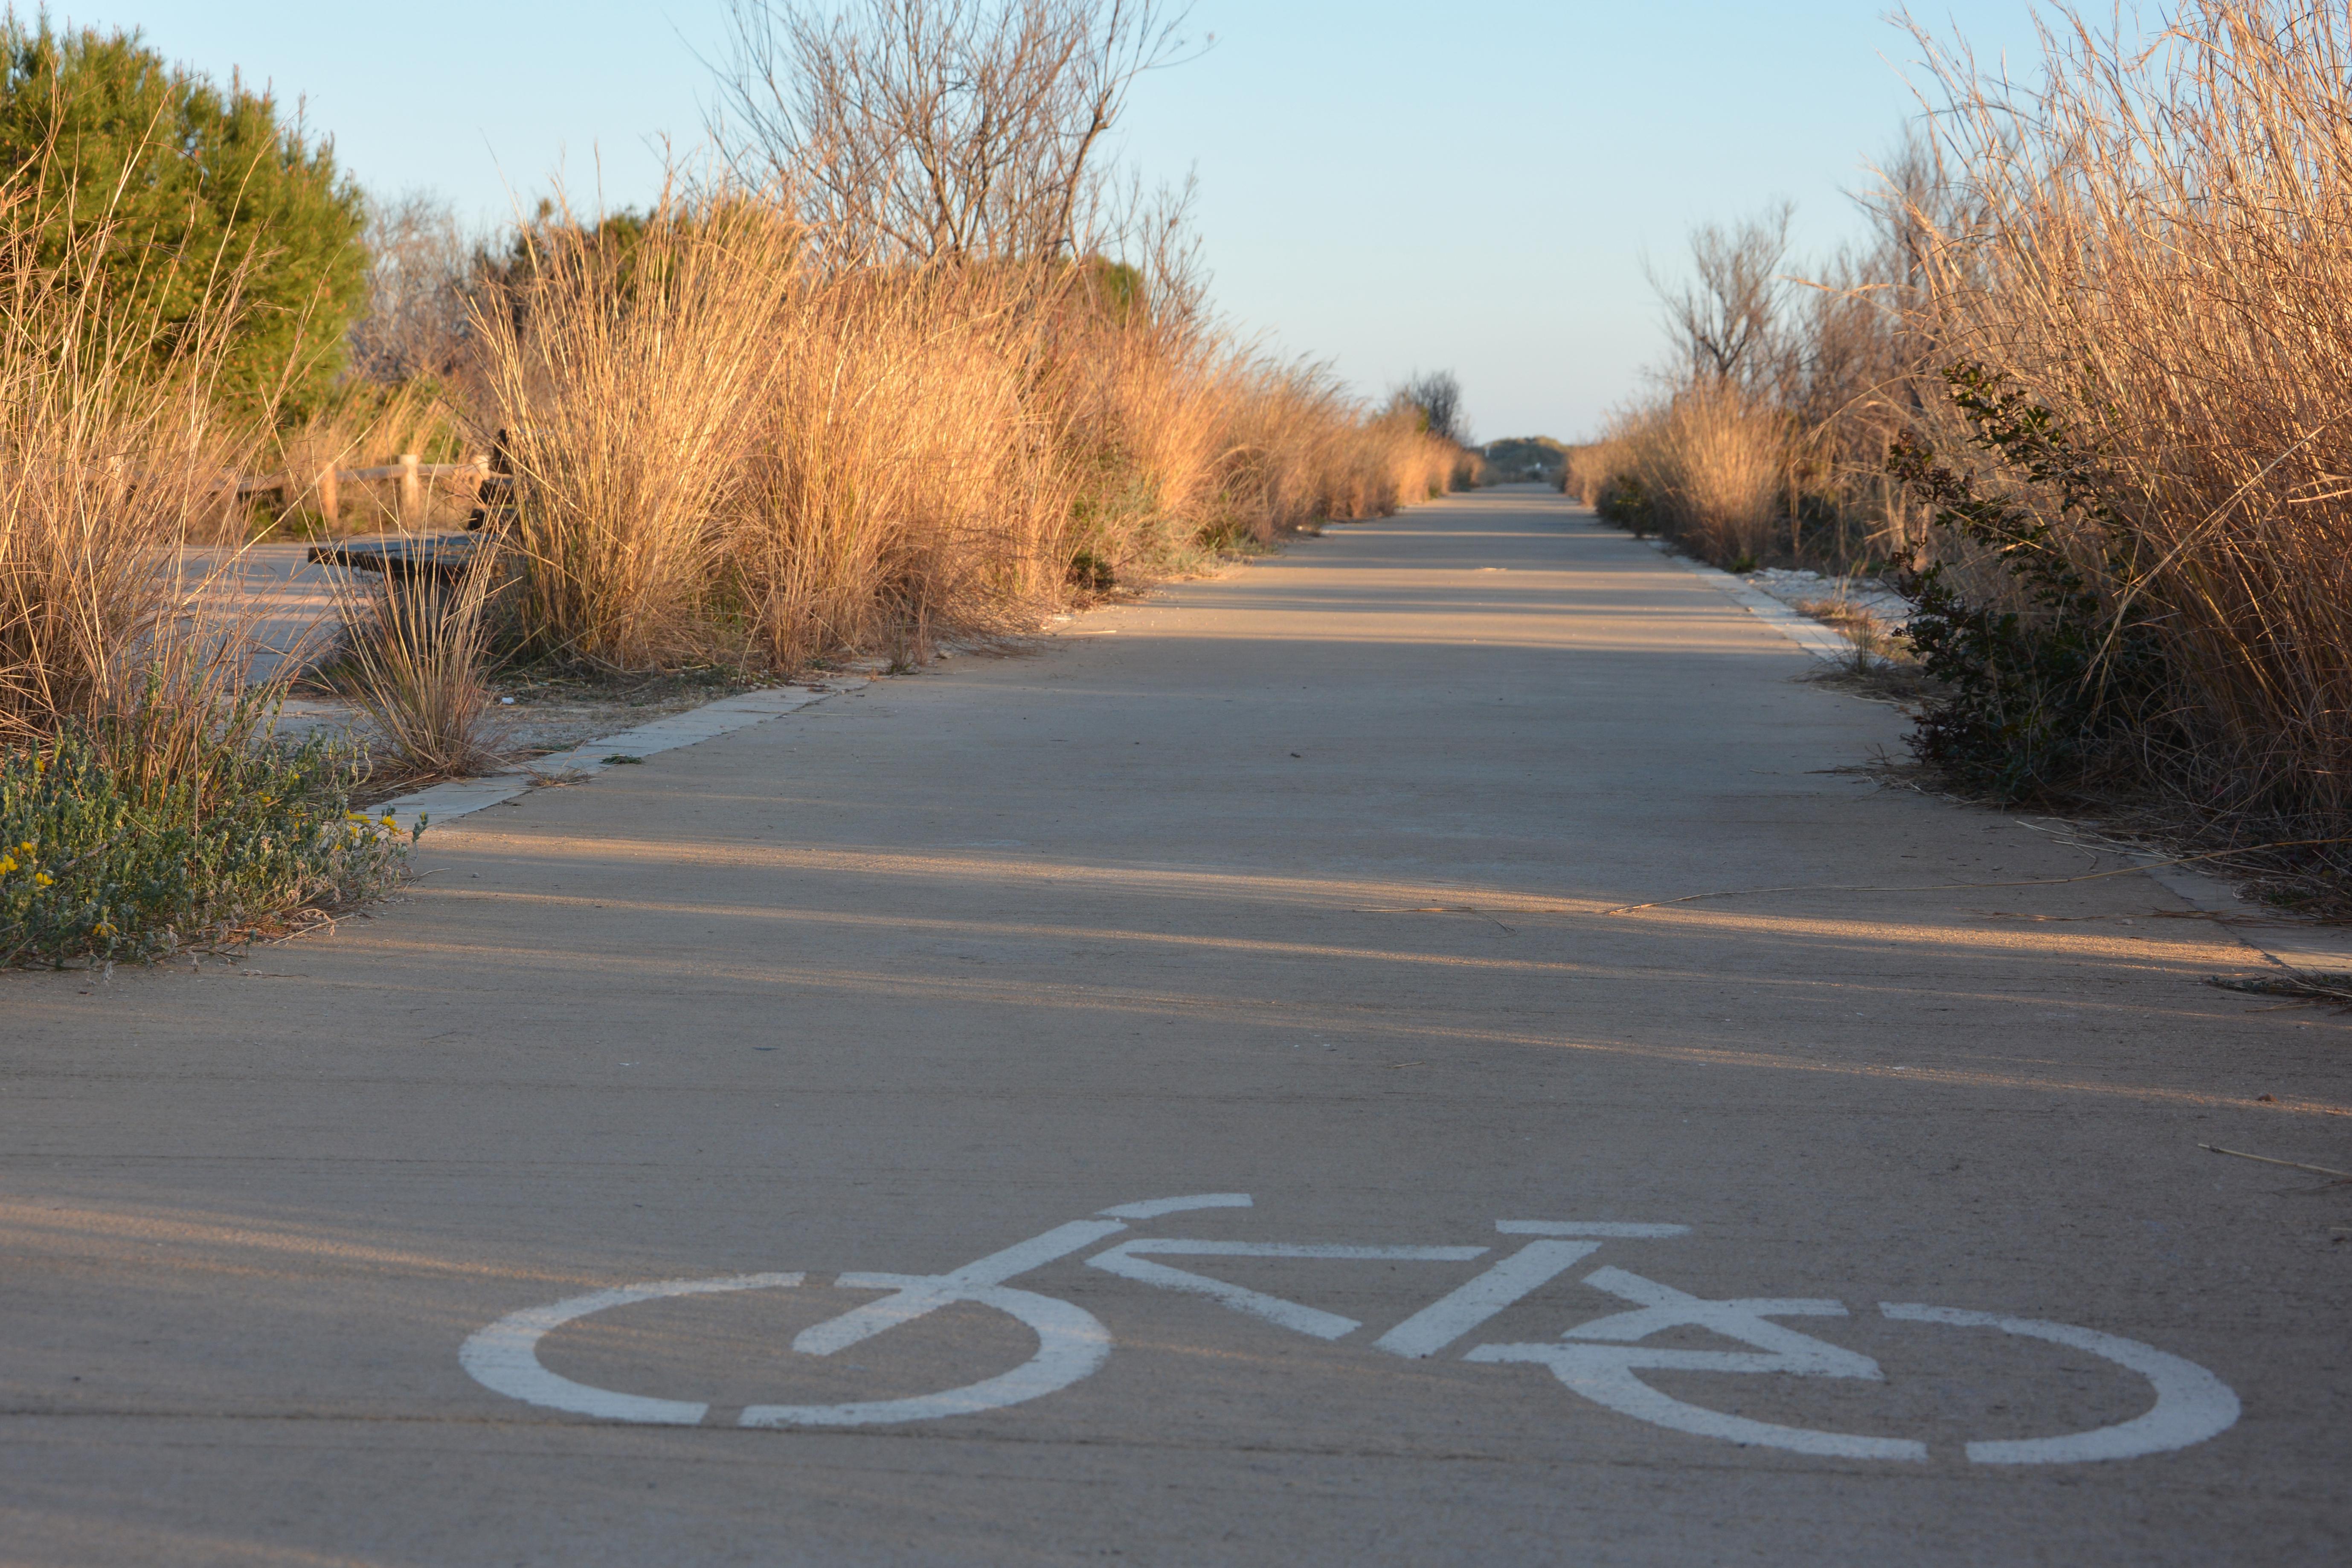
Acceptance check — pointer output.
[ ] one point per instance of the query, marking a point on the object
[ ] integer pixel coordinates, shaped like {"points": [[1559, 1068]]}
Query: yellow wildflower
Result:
{"points": [[7, 864], [42, 879]]}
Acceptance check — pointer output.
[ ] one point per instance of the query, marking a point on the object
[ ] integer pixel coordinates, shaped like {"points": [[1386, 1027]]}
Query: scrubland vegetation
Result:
{"points": [[139, 809], [2086, 397], [731, 449], [897, 359]]}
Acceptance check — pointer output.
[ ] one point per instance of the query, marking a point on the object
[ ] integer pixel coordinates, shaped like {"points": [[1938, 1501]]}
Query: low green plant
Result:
{"points": [[98, 865], [2035, 696], [1624, 502]]}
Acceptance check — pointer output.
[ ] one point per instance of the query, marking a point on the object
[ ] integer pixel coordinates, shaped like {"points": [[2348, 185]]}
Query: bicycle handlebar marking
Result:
{"points": [[1599, 1359], [1603, 1372]]}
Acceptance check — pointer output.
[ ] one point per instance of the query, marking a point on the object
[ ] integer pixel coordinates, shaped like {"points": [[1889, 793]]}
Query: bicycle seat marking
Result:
{"points": [[1600, 1360]]}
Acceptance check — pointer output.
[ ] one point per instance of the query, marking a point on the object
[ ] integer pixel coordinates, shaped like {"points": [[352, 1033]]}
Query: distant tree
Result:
{"points": [[1438, 395], [196, 195], [1730, 322], [420, 260], [926, 129]]}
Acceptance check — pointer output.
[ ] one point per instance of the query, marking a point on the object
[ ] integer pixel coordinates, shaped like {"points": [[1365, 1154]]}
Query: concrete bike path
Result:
{"points": [[1290, 883]]}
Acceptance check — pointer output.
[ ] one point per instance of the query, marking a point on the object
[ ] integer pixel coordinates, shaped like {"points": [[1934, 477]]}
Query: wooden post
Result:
{"points": [[412, 492], [330, 505]]}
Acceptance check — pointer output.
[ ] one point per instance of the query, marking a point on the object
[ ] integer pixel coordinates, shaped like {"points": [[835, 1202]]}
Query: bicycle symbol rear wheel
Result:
{"points": [[504, 1357]]}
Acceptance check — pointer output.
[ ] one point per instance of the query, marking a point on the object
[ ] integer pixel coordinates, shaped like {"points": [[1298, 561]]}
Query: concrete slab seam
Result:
{"points": [[724, 716]]}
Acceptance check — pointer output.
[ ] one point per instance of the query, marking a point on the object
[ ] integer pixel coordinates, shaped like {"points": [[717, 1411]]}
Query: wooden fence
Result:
{"points": [[325, 486]]}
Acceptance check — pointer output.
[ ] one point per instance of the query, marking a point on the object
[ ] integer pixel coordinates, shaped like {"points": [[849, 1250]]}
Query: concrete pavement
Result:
{"points": [[1572, 1236]]}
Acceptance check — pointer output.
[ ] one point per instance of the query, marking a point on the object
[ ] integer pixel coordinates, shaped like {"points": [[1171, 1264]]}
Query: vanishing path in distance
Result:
{"points": [[1290, 884]]}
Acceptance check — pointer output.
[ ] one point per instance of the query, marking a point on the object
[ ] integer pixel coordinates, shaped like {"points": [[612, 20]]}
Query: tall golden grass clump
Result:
{"points": [[1712, 467], [731, 445], [2157, 251], [887, 376], [1768, 435], [1590, 464], [905, 476], [416, 650], [1295, 447], [628, 381]]}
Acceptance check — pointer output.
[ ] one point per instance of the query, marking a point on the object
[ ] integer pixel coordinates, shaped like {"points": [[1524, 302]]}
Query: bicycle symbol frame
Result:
{"points": [[1600, 1360]]}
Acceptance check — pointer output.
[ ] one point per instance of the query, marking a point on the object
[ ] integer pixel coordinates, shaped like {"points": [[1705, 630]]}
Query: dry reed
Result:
{"points": [[1712, 461], [145, 806], [109, 467], [2158, 249], [629, 382], [732, 447], [415, 653]]}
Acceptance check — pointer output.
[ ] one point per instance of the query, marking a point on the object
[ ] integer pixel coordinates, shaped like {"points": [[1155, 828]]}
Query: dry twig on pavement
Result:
{"points": [[2290, 1164]]}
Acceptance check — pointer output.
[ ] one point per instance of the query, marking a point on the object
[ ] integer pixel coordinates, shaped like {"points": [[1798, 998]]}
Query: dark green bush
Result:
{"points": [[2038, 701], [187, 185], [1624, 502], [97, 866]]}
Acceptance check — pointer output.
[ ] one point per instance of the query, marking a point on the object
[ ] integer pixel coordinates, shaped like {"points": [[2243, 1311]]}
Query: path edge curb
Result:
{"points": [[441, 803], [2294, 949], [1822, 642]]}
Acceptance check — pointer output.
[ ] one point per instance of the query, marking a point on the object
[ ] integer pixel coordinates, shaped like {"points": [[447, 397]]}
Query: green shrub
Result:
{"points": [[1624, 502], [2036, 700], [96, 864], [194, 193]]}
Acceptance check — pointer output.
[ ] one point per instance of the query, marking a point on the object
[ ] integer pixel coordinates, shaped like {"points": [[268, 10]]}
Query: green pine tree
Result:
{"points": [[197, 193]]}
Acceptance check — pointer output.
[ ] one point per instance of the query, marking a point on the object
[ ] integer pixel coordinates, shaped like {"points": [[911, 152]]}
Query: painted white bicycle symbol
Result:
{"points": [[1601, 1360]]}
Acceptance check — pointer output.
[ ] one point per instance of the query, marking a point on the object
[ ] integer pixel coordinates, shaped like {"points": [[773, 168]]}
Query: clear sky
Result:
{"points": [[1387, 185]]}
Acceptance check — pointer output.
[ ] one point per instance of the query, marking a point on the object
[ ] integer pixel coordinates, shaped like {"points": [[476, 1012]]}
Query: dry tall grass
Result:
{"points": [[2158, 249], [733, 446], [146, 806], [1810, 370], [414, 652], [108, 467], [2150, 251], [1713, 464], [630, 384]]}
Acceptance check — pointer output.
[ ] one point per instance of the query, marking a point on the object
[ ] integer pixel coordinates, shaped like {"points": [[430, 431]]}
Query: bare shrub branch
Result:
{"points": [[419, 258], [922, 128], [1727, 320]]}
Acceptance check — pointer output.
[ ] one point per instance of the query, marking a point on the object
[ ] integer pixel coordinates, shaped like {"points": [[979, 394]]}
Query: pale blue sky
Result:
{"points": [[1383, 184]]}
